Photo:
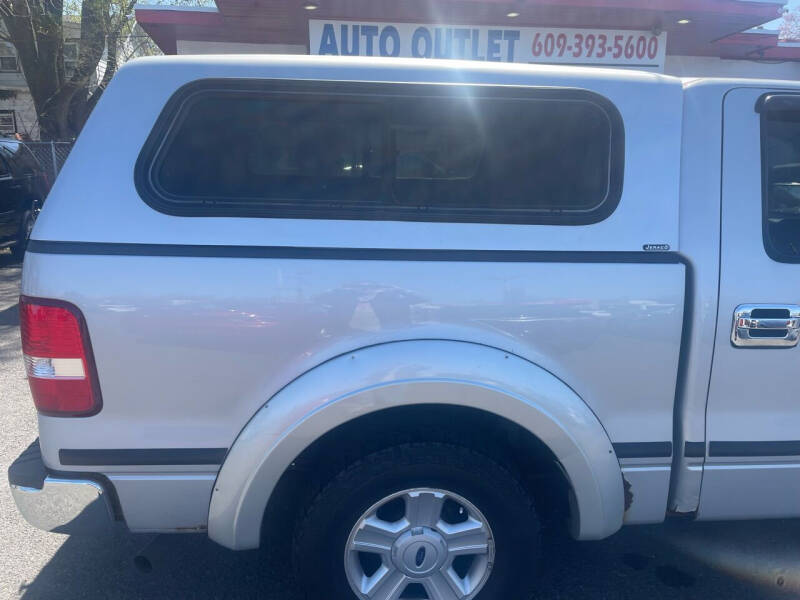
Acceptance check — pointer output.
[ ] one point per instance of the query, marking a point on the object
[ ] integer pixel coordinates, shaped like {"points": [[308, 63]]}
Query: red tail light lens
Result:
{"points": [[58, 358]]}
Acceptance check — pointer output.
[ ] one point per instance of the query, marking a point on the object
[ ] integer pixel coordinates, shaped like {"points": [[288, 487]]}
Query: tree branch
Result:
{"points": [[93, 40], [111, 69]]}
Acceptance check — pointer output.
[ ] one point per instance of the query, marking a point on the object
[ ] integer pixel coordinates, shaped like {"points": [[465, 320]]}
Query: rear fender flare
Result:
{"points": [[416, 372]]}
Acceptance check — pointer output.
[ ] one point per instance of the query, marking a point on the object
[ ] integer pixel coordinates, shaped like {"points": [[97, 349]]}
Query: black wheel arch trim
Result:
{"points": [[142, 456]]}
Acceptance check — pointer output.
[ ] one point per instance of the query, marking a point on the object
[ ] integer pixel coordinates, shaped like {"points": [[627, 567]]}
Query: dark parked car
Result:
{"points": [[23, 187]]}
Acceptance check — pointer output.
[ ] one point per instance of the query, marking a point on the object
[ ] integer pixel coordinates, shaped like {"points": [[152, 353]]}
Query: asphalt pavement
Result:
{"points": [[746, 560]]}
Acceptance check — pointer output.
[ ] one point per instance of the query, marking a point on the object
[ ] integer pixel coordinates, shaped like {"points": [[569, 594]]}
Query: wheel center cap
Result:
{"points": [[419, 552]]}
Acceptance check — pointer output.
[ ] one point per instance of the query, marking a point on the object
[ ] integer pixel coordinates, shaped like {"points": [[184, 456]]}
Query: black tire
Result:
{"points": [[18, 249], [322, 534]]}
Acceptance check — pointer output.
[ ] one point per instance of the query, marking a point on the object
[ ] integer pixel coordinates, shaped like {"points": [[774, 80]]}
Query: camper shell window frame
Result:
{"points": [[177, 108]]}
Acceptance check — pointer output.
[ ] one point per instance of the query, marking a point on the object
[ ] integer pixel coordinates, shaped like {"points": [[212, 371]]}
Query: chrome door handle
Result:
{"points": [[766, 325]]}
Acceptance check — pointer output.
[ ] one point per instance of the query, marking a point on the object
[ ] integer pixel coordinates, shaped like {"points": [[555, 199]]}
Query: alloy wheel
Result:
{"points": [[420, 543]]}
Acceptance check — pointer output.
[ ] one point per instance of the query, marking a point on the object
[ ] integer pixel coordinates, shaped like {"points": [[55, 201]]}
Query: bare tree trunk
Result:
{"points": [[38, 37], [112, 64], [111, 69], [59, 107]]}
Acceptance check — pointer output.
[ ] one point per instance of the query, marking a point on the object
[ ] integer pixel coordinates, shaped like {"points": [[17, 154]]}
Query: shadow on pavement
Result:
{"points": [[9, 316], [183, 566], [652, 562]]}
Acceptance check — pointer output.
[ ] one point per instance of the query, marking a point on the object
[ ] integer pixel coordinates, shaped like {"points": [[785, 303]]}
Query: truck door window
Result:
{"points": [[780, 148], [341, 150]]}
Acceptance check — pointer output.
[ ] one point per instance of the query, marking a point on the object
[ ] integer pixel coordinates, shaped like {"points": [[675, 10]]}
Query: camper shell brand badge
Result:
{"points": [[656, 247]]}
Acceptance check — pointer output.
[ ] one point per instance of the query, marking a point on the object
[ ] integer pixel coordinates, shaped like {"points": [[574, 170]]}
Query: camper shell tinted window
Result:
{"points": [[419, 152]]}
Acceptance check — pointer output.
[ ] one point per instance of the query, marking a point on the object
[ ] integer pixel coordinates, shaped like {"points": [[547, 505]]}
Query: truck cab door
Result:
{"points": [[752, 467]]}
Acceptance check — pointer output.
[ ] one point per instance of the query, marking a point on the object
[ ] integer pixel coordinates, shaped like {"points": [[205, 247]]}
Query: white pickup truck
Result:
{"points": [[394, 313]]}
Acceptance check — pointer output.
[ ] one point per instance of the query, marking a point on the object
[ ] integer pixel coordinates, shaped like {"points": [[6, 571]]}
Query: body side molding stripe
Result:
{"points": [[643, 449], [215, 456], [771, 448], [139, 457], [694, 449], [328, 253]]}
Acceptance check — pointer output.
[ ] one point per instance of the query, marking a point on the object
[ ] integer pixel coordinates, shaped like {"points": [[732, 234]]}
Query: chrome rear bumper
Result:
{"points": [[58, 503]]}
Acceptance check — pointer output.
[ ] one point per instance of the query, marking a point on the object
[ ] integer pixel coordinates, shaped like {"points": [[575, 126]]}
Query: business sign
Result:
{"points": [[546, 45]]}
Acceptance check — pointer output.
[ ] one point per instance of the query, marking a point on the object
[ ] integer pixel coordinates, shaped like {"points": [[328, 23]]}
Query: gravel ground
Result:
{"points": [[755, 560]]}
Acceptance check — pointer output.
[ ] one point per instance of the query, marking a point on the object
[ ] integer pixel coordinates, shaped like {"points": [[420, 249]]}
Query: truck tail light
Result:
{"points": [[58, 358]]}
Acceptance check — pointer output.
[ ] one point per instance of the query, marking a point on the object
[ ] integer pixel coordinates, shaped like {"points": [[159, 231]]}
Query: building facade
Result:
{"points": [[17, 110], [17, 113], [678, 37]]}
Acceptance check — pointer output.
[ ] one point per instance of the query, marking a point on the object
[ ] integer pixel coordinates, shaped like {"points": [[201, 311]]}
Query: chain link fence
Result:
{"points": [[51, 155]]}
